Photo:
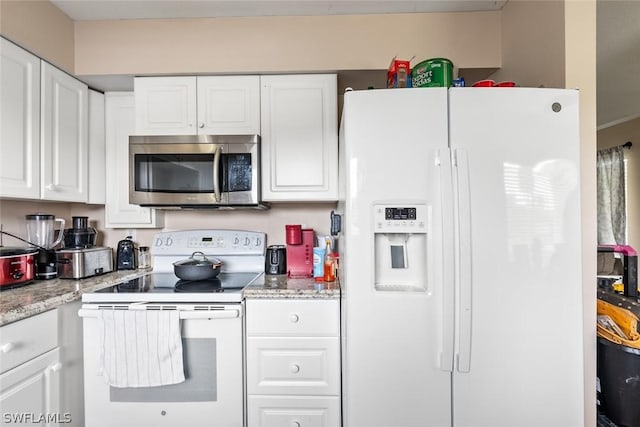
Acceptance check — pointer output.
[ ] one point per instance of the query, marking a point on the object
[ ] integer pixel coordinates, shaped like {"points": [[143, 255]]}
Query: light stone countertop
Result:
{"points": [[42, 295], [272, 287]]}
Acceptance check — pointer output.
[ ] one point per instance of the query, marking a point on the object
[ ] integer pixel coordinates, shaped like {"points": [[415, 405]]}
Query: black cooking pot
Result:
{"points": [[197, 267]]}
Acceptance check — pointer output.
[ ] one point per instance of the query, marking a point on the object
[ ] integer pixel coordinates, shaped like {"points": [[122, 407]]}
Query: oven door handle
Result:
{"points": [[184, 315], [216, 173]]}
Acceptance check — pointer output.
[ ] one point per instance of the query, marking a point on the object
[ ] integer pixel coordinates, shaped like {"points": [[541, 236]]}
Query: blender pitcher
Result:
{"points": [[40, 232]]}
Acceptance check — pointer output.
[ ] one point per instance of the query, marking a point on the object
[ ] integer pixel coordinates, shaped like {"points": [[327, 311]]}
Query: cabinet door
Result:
{"points": [[299, 138], [19, 122], [96, 148], [31, 391], [119, 124], [165, 105], [64, 137], [229, 105]]}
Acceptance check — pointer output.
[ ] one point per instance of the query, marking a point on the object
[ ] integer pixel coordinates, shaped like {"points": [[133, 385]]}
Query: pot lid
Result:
{"points": [[198, 258], [7, 251]]}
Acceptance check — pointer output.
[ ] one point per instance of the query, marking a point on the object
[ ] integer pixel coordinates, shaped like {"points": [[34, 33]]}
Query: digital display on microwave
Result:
{"points": [[191, 173]]}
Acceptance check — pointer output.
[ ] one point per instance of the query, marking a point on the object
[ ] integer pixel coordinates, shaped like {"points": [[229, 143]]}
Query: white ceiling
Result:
{"points": [[618, 31], [88, 10]]}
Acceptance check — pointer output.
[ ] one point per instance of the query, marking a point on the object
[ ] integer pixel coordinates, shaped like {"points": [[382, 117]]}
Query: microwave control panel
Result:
{"points": [[400, 218]]}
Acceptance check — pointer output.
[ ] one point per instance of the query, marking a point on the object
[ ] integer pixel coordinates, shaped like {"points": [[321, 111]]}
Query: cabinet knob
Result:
{"points": [[294, 318], [6, 348], [295, 424], [52, 187], [56, 367], [295, 368], [201, 125]]}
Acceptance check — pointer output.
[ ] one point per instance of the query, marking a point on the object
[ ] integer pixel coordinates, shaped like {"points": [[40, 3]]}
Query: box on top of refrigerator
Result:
{"points": [[399, 73]]}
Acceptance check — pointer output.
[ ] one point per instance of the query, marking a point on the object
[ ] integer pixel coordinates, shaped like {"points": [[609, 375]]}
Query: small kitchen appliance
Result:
{"points": [[78, 263], [17, 266], [40, 232], [211, 316], [80, 235], [300, 253], [126, 255], [275, 261]]}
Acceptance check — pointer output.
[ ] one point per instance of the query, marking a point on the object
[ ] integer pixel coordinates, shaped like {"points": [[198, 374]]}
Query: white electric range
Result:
{"points": [[211, 320]]}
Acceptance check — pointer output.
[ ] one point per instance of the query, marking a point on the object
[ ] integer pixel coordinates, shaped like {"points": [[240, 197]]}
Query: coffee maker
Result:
{"points": [[40, 233], [300, 242]]}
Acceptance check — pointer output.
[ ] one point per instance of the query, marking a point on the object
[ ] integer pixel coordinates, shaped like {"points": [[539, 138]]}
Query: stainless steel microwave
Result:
{"points": [[195, 171]]}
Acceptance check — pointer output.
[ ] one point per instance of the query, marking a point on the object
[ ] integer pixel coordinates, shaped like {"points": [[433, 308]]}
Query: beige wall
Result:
{"points": [[618, 135], [533, 52], [41, 28], [580, 72], [285, 44]]}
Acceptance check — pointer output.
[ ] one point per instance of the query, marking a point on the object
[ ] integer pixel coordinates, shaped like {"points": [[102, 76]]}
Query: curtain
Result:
{"points": [[612, 222]]}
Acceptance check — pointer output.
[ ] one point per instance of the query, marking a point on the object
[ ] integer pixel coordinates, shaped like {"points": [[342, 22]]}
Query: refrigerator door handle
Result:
{"points": [[448, 267], [464, 261]]}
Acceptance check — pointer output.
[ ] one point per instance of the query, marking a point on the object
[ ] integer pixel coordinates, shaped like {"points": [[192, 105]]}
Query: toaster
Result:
{"points": [[125, 255], [78, 263]]}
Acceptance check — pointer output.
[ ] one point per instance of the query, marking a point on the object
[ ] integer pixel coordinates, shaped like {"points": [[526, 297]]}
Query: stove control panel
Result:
{"points": [[211, 242]]}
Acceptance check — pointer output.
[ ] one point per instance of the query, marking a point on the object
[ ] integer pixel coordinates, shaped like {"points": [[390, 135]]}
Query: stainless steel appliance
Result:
{"points": [[211, 316], [78, 263], [41, 232], [195, 171]]}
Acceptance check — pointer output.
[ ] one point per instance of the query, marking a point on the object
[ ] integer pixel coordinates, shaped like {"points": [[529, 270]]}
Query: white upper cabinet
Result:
{"points": [[299, 137], [96, 148], [19, 122], [64, 136], [207, 105], [229, 105], [165, 105], [120, 113]]}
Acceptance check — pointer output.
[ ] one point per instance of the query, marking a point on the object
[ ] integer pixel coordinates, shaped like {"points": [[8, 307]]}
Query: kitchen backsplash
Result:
{"points": [[272, 221]]}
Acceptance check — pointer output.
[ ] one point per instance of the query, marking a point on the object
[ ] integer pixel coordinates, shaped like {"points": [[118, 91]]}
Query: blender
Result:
{"points": [[40, 233]]}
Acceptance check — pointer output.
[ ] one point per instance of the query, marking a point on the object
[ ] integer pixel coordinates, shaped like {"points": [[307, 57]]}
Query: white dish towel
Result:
{"points": [[141, 348]]}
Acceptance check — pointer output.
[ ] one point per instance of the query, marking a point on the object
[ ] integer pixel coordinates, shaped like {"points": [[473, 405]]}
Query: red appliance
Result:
{"points": [[300, 252], [17, 266]]}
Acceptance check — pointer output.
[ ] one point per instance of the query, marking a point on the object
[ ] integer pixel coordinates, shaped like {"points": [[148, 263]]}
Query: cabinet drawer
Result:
{"points": [[28, 338], [293, 411], [293, 318], [300, 366]]}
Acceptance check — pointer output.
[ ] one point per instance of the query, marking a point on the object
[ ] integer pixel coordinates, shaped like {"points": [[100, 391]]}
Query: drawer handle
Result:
{"points": [[294, 318], [295, 368], [6, 348], [295, 424]]}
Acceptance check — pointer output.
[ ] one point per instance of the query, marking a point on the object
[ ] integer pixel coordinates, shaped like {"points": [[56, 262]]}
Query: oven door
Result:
{"points": [[212, 393]]}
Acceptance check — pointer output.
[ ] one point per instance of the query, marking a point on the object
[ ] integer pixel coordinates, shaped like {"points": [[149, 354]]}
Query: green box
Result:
{"points": [[436, 72]]}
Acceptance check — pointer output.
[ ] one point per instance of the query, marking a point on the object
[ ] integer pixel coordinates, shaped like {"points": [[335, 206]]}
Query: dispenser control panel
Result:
{"points": [[401, 218]]}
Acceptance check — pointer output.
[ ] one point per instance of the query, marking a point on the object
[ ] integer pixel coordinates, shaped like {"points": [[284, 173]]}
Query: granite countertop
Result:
{"points": [[281, 287], [42, 295]]}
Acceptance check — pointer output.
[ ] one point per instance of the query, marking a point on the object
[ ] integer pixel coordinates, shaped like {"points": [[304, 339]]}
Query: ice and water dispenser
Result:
{"points": [[400, 249]]}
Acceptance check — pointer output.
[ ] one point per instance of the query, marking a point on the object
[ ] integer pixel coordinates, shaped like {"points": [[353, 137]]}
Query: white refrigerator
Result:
{"points": [[460, 258]]}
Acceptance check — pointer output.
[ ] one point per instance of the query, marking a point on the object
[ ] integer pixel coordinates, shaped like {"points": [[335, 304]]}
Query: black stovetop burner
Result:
{"points": [[211, 285]]}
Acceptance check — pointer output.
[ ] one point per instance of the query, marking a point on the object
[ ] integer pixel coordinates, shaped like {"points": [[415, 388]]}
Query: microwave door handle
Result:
{"points": [[216, 173]]}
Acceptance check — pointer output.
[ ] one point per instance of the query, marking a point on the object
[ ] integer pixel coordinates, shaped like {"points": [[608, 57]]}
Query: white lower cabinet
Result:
{"points": [[293, 363], [30, 379]]}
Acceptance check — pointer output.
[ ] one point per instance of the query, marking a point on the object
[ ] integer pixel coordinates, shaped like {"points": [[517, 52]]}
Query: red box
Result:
{"points": [[399, 73]]}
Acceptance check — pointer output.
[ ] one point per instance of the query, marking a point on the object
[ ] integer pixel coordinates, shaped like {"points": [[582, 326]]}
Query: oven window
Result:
{"points": [[174, 173], [200, 385], [238, 172]]}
